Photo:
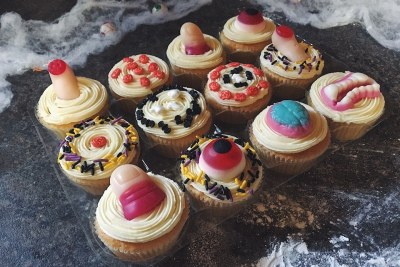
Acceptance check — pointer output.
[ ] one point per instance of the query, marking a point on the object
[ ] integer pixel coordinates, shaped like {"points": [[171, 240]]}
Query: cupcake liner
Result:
{"points": [[285, 88], [290, 164], [59, 130], [141, 252], [172, 148]]}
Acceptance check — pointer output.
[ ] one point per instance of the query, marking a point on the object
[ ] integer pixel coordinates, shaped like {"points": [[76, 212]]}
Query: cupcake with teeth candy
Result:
{"points": [[352, 103], [245, 36], [69, 99], [92, 150], [289, 136], [172, 117], [221, 171], [237, 92], [193, 54], [290, 66], [135, 77], [141, 215]]}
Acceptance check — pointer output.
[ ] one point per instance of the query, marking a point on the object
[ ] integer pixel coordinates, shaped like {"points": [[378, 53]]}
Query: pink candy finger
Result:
{"points": [[285, 42], [63, 79], [193, 39]]}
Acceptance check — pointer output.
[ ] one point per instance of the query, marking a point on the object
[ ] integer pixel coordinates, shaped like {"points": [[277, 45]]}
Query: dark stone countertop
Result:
{"points": [[345, 209]]}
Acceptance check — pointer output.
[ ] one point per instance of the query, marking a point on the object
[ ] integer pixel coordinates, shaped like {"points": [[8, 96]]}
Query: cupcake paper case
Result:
{"points": [[221, 172], [94, 148], [141, 215], [290, 67], [352, 103], [289, 137], [172, 117], [246, 35], [237, 92]]}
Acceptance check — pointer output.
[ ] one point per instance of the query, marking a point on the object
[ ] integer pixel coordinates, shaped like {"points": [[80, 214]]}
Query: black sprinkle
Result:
{"points": [[186, 181], [273, 62], [75, 163], [241, 190], [119, 154], [61, 157], [101, 166], [206, 185]]}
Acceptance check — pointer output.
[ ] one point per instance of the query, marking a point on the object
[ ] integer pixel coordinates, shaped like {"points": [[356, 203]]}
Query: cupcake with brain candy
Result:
{"points": [[141, 215], [69, 99], [289, 65]]}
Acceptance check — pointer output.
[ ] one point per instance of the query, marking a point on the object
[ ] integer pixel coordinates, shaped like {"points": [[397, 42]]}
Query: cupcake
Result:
{"points": [[237, 92], [172, 117], [141, 215], [245, 36], [352, 103], [69, 99], [289, 136], [92, 150], [221, 172], [135, 77], [193, 54], [291, 67]]}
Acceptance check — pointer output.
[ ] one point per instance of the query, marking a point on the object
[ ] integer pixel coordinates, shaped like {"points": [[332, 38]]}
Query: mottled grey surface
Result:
{"points": [[353, 192]]}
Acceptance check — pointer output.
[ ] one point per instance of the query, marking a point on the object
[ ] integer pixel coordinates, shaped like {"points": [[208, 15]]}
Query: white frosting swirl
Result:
{"points": [[367, 110], [234, 33], [167, 107], [280, 143], [177, 56], [134, 88], [115, 134], [92, 99], [271, 60], [147, 227]]}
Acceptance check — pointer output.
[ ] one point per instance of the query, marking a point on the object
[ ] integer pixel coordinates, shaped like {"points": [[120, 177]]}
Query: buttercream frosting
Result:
{"points": [[92, 99], [278, 142], [177, 56], [173, 112], [147, 227], [146, 72], [276, 62], [365, 110], [80, 157]]}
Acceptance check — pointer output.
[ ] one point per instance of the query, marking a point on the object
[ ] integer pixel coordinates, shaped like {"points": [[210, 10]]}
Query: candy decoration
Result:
{"points": [[64, 82], [99, 141], [137, 193], [222, 159], [107, 29], [289, 118], [250, 20], [159, 9], [344, 93], [285, 41], [193, 39]]}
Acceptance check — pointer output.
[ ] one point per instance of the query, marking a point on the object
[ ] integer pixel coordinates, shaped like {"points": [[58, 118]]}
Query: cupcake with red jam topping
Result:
{"points": [[141, 215], [289, 136], [172, 117], [194, 54], [135, 77], [92, 150], [237, 92], [69, 99], [352, 103], [221, 171], [290, 66], [245, 36]]}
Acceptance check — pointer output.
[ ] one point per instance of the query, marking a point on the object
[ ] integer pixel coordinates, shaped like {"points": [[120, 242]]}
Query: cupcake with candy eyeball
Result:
{"points": [[136, 76], [172, 117], [141, 215], [351, 101], [289, 65], [92, 150], [237, 92], [289, 137], [245, 36], [69, 99], [194, 54], [221, 172]]}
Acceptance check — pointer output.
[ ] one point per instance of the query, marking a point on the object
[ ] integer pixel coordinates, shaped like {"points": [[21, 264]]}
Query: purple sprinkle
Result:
{"points": [[186, 163], [314, 58], [270, 57], [126, 132], [197, 155], [61, 143], [100, 160], [126, 152], [309, 66], [215, 188], [116, 120], [72, 158], [301, 69], [287, 66], [251, 191]]}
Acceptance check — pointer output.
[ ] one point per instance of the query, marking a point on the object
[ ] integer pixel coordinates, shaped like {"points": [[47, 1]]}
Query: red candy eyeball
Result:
{"points": [[143, 59], [258, 72], [214, 86], [225, 94], [240, 97], [215, 75], [263, 84], [153, 67], [250, 16], [99, 141], [219, 68], [116, 73], [144, 81], [252, 90], [127, 78], [233, 64], [222, 154], [138, 71], [132, 65], [159, 74], [127, 59]]}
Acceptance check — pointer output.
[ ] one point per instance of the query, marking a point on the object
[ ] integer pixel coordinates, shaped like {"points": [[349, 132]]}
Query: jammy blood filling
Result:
{"points": [[222, 159], [344, 93]]}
